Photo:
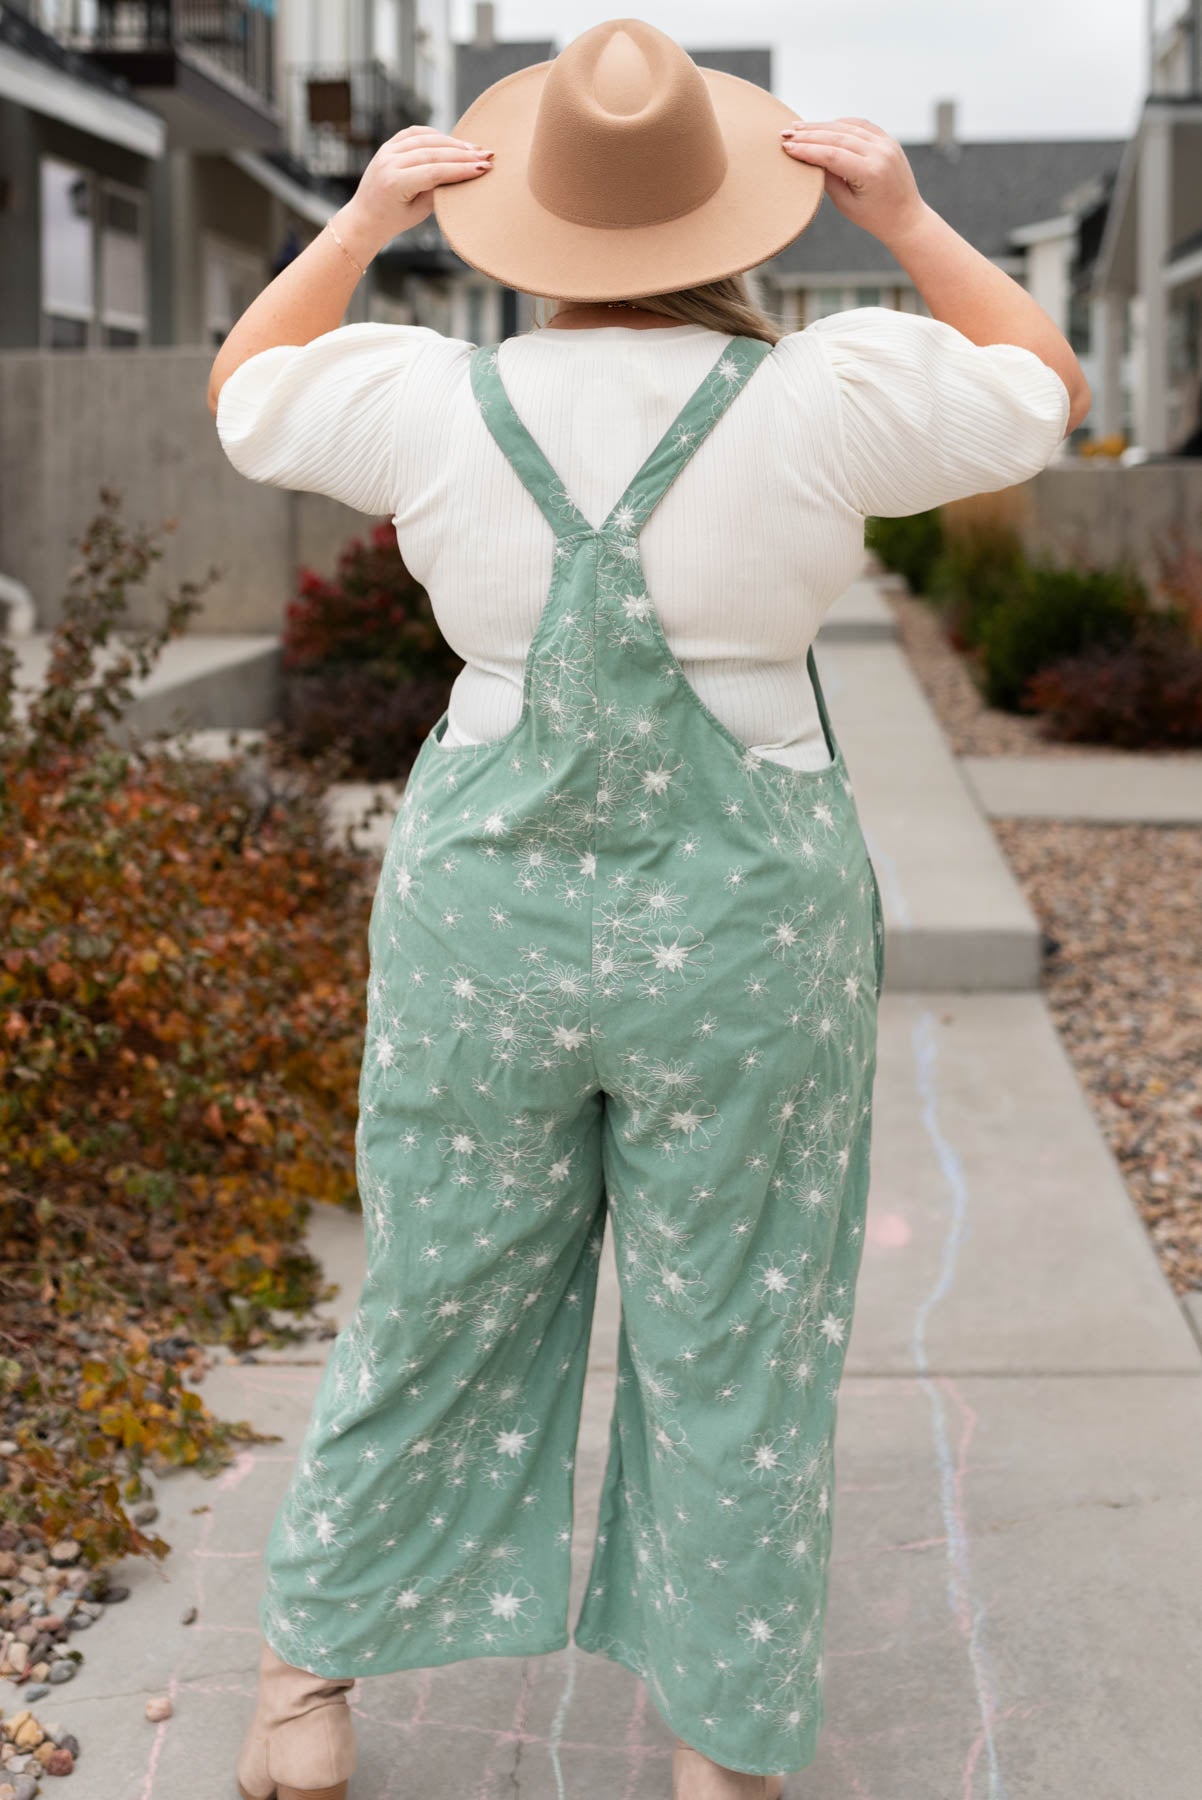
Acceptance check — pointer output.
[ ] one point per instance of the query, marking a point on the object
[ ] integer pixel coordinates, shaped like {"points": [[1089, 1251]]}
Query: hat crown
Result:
{"points": [[626, 133]]}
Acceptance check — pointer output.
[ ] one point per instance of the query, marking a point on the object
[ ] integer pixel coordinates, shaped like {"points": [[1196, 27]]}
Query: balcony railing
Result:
{"points": [[345, 111], [234, 37]]}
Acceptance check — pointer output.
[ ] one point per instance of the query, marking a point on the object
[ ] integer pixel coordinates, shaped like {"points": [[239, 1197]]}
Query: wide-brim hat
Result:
{"points": [[623, 169]]}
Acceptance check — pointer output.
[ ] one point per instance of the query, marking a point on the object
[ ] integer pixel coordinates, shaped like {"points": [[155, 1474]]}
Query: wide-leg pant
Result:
{"points": [[704, 1084]]}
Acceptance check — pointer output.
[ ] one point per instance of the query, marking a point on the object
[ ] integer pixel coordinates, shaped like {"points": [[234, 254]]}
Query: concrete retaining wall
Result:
{"points": [[71, 421], [1095, 513]]}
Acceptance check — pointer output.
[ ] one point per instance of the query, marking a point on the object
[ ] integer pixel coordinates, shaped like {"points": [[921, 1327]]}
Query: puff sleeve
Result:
{"points": [[928, 416], [323, 416]]}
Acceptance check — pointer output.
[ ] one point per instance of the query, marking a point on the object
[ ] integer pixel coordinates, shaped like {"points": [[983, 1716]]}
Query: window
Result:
{"points": [[93, 260], [1182, 339], [826, 300], [68, 260], [233, 278], [1080, 324], [820, 301], [475, 314], [122, 266]]}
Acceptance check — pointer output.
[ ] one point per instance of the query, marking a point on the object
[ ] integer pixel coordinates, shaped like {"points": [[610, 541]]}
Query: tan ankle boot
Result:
{"points": [[300, 1745], [696, 1777]]}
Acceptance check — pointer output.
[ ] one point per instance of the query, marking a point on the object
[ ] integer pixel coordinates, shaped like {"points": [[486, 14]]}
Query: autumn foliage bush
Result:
{"points": [[1089, 649], [182, 957], [1051, 614], [1143, 695], [366, 669]]}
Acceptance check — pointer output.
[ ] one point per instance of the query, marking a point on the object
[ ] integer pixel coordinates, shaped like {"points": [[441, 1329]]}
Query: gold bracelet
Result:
{"points": [[329, 227]]}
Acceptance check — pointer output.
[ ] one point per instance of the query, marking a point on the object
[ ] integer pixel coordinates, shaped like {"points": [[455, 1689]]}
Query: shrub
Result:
{"points": [[374, 722], [1179, 573], [1143, 695], [979, 569], [366, 669], [1056, 613], [182, 955], [909, 545]]}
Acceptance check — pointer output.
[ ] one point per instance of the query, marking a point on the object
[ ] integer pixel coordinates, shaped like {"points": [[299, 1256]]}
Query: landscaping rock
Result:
{"points": [[158, 1707]]}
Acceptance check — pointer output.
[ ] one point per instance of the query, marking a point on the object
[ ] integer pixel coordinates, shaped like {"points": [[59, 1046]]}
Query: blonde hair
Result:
{"points": [[730, 305]]}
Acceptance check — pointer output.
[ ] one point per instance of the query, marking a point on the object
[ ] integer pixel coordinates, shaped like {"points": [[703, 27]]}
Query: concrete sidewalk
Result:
{"points": [[1018, 1517], [1128, 789]]}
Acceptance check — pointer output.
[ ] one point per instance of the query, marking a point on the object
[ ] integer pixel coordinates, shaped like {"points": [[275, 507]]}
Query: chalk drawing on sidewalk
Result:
{"points": [[966, 1605]]}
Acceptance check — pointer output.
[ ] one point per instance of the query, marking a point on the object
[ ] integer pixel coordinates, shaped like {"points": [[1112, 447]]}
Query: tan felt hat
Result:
{"points": [[622, 169]]}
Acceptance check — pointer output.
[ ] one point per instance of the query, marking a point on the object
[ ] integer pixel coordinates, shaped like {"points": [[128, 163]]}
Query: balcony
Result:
{"points": [[345, 111], [206, 65]]}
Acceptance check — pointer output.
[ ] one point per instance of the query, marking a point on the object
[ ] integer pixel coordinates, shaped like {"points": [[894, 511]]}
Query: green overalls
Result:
{"points": [[620, 966]]}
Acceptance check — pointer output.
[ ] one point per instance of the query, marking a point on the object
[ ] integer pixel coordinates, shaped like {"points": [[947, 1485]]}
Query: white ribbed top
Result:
{"points": [[868, 411]]}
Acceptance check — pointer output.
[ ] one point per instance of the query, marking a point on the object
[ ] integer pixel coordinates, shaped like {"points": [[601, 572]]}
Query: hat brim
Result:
{"points": [[494, 223]]}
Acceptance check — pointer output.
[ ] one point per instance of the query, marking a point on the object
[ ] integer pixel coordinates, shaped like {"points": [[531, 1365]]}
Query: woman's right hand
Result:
{"points": [[396, 190], [868, 175]]}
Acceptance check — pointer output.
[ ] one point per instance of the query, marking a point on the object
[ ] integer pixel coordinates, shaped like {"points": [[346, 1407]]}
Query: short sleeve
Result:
{"points": [[928, 416], [323, 416]]}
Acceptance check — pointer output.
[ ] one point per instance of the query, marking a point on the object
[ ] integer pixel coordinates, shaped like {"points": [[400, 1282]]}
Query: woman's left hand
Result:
{"points": [[868, 175]]}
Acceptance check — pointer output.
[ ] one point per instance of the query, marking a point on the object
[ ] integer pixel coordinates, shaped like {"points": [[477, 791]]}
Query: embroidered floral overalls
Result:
{"points": [[621, 968]]}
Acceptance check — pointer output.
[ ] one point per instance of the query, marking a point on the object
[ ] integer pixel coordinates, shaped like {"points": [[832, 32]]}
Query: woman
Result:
{"points": [[627, 943]]}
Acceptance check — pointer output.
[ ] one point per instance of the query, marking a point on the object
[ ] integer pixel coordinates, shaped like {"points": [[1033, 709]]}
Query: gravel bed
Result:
{"points": [[1121, 907]]}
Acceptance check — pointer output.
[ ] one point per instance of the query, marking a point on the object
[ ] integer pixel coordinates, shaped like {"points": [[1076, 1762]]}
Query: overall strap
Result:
{"points": [[828, 730], [519, 448], [687, 432]]}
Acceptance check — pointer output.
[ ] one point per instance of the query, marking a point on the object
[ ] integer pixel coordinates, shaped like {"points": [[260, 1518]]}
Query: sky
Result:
{"points": [[1015, 68]]}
